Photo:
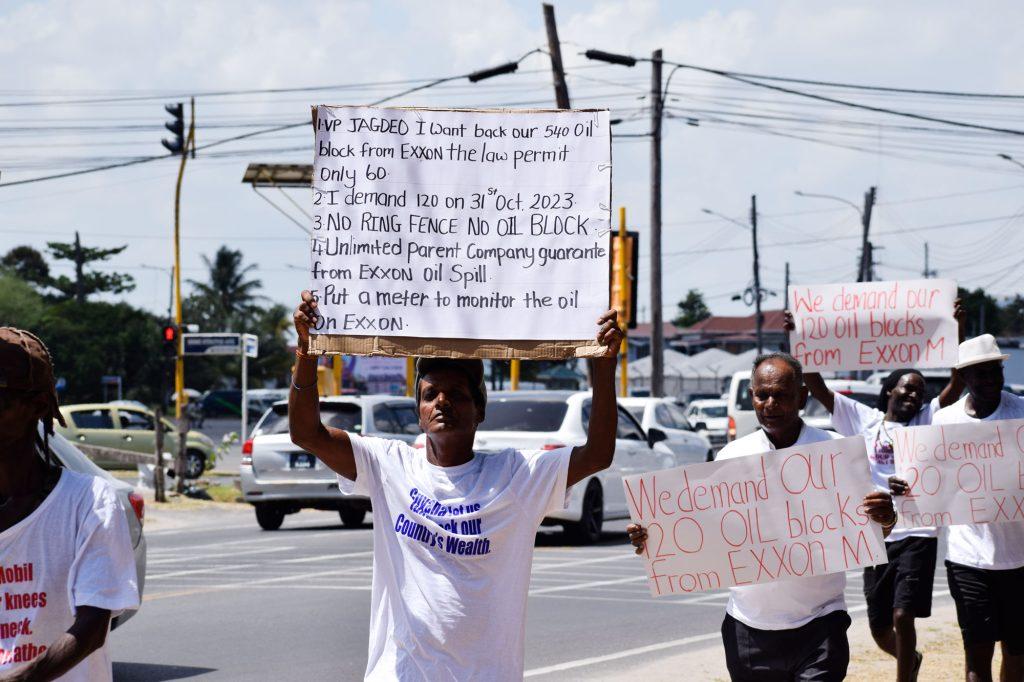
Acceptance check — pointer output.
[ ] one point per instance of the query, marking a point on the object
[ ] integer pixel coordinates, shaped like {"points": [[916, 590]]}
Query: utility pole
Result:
{"points": [[785, 339], [928, 272], [555, 50], [757, 276], [657, 332], [866, 258], [562, 102]]}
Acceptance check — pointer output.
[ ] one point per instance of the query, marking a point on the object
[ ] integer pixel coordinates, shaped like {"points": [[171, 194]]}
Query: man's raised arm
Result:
{"points": [[331, 446], [597, 453]]}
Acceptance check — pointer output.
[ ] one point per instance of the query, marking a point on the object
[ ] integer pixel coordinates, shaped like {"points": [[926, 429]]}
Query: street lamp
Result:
{"points": [[1010, 159], [866, 259], [754, 294]]}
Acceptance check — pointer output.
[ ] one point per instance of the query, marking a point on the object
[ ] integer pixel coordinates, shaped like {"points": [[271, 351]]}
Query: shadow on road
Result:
{"points": [[156, 672]]}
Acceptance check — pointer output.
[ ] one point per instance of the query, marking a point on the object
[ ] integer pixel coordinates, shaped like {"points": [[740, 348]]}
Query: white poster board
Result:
{"points": [[784, 514], [961, 473], [459, 224], [874, 325]]}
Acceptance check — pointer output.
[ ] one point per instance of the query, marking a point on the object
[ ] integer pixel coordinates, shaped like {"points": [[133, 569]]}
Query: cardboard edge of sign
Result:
{"points": [[393, 346]]}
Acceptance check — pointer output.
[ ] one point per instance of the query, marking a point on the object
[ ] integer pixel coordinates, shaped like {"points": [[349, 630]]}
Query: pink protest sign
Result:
{"points": [[785, 514], [961, 473], [874, 325]]}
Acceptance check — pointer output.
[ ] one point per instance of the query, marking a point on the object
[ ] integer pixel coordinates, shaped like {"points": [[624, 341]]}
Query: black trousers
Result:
{"points": [[818, 650]]}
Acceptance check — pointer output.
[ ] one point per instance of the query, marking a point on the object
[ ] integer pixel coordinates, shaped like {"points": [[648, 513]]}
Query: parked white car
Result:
{"points": [[548, 420], [714, 416], [684, 437], [280, 478]]}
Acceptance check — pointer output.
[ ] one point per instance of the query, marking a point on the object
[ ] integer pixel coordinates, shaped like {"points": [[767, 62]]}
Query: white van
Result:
{"points": [[743, 419]]}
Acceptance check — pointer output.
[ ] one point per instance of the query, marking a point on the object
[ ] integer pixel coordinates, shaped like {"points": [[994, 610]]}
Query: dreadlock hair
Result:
{"points": [[889, 383], [25, 337]]}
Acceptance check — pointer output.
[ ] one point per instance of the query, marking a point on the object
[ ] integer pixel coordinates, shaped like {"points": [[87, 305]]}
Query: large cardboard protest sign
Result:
{"points": [[460, 232], [874, 325], [961, 473], [785, 514]]}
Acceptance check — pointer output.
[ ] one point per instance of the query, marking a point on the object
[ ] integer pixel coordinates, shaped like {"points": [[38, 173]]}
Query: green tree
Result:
{"points": [[227, 295], [231, 301], [1012, 316], [20, 305], [28, 264], [85, 283], [692, 309], [983, 313]]}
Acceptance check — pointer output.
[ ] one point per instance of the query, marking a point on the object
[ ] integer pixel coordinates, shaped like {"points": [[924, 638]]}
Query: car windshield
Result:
{"points": [[637, 411], [524, 415], [713, 412], [344, 416]]}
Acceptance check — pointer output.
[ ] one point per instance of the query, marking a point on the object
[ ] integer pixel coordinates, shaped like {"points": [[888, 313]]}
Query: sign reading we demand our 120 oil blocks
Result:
{"points": [[874, 325], [785, 514], [961, 473], [461, 224]]}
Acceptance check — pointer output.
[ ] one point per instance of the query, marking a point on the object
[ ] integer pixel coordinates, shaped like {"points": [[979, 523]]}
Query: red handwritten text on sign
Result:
{"points": [[788, 513], [874, 325], [961, 473]]}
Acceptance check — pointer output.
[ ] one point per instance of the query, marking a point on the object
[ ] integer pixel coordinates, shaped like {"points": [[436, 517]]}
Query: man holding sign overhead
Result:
{"points": [[793, 628], [453, 529], [985, 562]]}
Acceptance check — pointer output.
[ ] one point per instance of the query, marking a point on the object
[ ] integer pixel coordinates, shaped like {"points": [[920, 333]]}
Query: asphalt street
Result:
{"points": [[227, 601]]}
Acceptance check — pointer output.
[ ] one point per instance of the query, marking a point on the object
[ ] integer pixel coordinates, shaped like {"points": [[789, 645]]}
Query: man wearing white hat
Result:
{"points": [[985, 562]]}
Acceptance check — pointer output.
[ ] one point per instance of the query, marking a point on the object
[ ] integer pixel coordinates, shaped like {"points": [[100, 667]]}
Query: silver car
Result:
{"points": [[280, 478], [72, 459]]}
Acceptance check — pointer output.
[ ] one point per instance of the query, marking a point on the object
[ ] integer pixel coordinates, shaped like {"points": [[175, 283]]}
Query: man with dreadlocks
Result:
{"points": [[899, 591], [66, 559]]}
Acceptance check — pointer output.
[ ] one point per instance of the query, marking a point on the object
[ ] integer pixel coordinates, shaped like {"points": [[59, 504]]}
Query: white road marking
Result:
{"points": [[203, 557], [627, 653]]}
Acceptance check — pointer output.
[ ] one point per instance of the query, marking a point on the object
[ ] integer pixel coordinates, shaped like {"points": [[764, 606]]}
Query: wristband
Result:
{"points": [[303, 388], [304, 356], [895, 518]]}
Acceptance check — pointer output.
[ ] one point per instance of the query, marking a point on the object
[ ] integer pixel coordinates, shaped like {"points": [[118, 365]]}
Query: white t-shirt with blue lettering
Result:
{"points": [[453, 548]]}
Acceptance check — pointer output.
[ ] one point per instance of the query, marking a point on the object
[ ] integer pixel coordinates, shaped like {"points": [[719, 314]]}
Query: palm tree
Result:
{"points": [[227, 294]]}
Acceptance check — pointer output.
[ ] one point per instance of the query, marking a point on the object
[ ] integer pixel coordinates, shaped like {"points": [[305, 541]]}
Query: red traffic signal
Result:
{"points": [[170, 333]]}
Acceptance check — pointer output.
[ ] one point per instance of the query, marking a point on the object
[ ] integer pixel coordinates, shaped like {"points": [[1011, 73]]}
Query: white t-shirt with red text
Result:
{"points": [[784, 604], [73, 550], [452, 553], [992, 546], [851, 418]]}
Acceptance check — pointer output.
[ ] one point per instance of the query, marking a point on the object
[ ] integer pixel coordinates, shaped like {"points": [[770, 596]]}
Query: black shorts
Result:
{"points": [[903, 583], [818, 650], [989, 605]]}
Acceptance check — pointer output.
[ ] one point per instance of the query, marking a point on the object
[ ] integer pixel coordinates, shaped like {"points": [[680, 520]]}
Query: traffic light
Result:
{"points": [[177, 126], [170, 337]]}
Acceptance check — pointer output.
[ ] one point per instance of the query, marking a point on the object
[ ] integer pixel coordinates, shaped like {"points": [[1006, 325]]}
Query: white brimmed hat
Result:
{"points": [[977, 350]]}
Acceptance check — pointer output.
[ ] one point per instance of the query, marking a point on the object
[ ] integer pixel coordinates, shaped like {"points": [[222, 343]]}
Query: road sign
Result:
{"points": [[251, 344], [227, 343]]}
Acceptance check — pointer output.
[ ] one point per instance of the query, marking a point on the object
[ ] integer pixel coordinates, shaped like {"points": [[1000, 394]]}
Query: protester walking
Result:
{"points": [[453, 529], [66, 562], [900, 590], [985, 562], [790, 629]]}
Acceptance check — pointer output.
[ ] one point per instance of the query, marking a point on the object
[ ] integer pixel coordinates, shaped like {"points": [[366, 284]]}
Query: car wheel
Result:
{"points": [[587, 530], [195, 463], [352, 518], [710, 456], [269, 516]]}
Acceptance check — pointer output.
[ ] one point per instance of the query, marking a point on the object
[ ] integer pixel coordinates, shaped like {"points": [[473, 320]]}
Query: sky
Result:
{"points": [[723, 140]]}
